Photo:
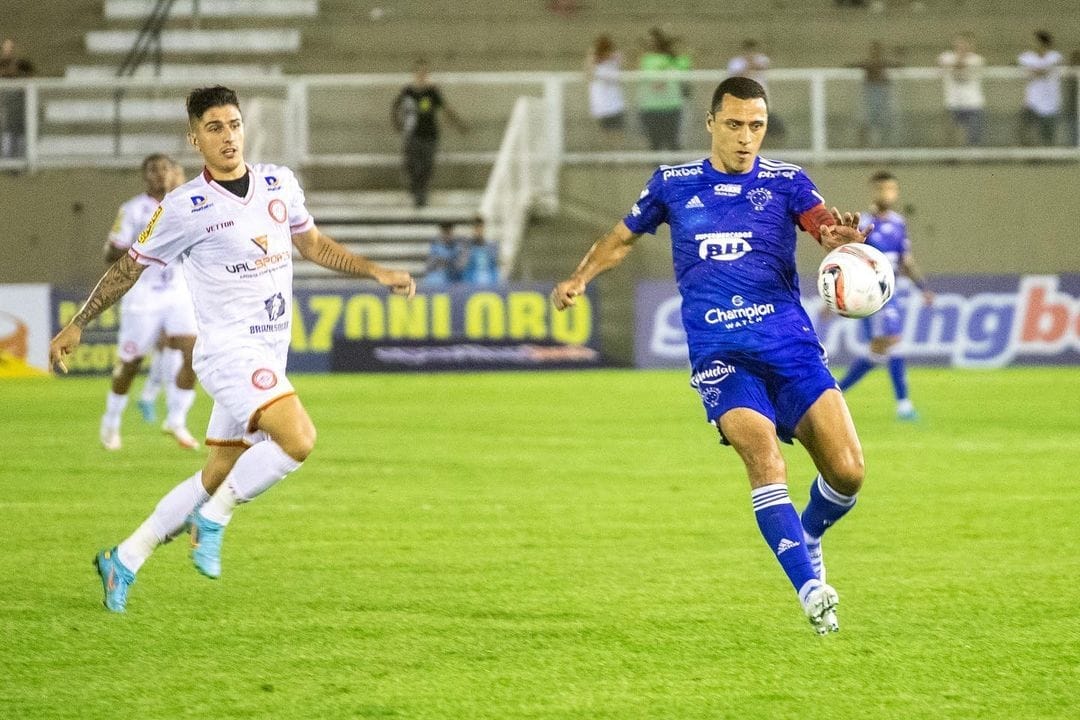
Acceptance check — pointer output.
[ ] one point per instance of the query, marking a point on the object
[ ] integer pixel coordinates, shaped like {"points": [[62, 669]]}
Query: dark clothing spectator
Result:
{"points": [[416, 116], [444, 259], [877, 97], [12, 102]]}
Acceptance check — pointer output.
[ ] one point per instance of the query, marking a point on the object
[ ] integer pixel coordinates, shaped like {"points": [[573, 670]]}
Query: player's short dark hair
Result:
{"points": [[741, 87], [882, 176], [200, 100], [153, 158]]}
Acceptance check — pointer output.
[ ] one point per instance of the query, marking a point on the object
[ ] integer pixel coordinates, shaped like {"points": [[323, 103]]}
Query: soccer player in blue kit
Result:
{"points": [[755, 359], [890, 236]]}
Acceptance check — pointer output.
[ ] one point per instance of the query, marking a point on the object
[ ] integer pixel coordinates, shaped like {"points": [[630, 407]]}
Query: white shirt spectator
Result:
{"points": [[605, 89], [752, 66], [1042, 94], [962, 80]]}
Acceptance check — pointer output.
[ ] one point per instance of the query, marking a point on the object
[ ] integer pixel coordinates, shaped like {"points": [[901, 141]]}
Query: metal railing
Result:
{"points": [[342, 120]]}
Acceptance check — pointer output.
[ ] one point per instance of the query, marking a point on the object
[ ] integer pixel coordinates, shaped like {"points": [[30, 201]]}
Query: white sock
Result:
{"points": [[114, 409], [905, 406], [165, 523], [155, 376], [256, 471], [178, 402]]}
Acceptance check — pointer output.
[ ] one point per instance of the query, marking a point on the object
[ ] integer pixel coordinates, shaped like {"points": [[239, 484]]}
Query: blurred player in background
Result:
{"points": [[233, 228], [888, 233], [756, 362], [158, 306]]}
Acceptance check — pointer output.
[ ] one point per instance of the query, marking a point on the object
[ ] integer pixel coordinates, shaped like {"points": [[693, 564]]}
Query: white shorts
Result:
{"points": [[245, 385], [141, 327]]}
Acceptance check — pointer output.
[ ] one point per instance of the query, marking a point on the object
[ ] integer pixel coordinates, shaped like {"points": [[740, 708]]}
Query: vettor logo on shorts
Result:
{"points": [[723, 246], [264, 378]]}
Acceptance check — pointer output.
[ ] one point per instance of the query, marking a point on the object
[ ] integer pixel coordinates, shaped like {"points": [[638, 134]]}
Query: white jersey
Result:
{"points": [[159, 285], [237, 258]]}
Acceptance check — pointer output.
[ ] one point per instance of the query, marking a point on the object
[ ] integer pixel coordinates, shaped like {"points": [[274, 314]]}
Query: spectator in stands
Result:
{"points": [[443, 259], [877, 97], [660, 101], [416, 117], [753, 63], [12, 112], [962, 81], [603, 66], [1042, 94], [1069, 99], [481, 258]]}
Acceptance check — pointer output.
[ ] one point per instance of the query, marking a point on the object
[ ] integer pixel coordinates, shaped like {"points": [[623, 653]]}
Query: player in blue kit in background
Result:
{"points": [[755, 359], [889, 235]]}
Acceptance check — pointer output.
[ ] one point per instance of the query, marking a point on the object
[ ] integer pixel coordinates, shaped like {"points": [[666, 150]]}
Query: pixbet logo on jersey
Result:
{"points": [[681, 172], [724, 246]]}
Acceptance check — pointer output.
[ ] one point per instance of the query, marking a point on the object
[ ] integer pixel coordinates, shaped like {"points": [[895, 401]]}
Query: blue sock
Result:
{"points": [[899, 377], [826, 506], [780, 526], [855, 372]]}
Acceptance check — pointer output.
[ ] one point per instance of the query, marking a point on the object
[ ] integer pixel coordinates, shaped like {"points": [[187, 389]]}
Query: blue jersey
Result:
{"points": [[889, 235], [733, 247]]}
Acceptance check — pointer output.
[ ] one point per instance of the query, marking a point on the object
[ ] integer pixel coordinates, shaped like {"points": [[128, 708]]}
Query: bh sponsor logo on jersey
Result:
{"points": [[694, 203], [727, 189], [740, 315], [277, 210], [759, 198], [264, 378], [199, 203], [272, 183], [724, 246], [682, 172], [258, 263], [149, 229]]}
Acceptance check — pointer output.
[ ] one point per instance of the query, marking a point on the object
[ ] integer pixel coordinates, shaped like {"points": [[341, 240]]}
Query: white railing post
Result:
{"points": [[554, 121], [30, 105], [296, 128], [818, 115]]}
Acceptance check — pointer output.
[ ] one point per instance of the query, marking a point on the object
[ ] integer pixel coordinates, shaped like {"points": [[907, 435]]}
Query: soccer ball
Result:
{"points": [[855, 280]]}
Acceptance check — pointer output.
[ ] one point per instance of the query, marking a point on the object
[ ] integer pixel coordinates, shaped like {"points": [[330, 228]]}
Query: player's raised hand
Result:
{"points": [[846, 230], [399, 282], [63, 344], [564, 294]]}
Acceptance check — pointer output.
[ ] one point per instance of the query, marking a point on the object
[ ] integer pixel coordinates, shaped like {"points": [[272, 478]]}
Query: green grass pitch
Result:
{"points": [[551, 545]]}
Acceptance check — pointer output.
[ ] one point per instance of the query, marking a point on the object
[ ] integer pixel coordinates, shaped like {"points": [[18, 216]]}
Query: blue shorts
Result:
{"points": [[781, 384], [886, 322]]}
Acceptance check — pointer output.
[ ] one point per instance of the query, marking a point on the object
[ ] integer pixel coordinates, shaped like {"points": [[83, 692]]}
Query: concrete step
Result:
{"points": [[400, 214], [305, 269], [177, 71], [138, 9], [379, 231], [215, 42], [438, 198], [103, 144], [101, 111]]}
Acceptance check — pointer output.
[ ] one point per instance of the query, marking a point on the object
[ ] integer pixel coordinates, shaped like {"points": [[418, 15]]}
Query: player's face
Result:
{"points": [[737, 128], [885, 194], [158, 177], [219, 137]]}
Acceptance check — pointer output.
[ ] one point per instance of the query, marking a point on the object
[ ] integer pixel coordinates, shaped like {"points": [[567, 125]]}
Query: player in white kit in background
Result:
{"points": [[158, 306], [233, 228]]}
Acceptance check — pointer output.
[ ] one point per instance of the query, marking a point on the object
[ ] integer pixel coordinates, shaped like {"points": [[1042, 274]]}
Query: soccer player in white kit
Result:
{"points": [[232, 228], [159, 304]]}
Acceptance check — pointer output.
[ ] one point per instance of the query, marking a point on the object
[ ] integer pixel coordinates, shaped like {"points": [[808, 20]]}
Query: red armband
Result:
{"points": [[812, 220]]}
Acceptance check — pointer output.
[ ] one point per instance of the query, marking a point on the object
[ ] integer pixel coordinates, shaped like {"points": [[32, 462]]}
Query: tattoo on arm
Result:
{"points": [[333, 256], [116, 281]]}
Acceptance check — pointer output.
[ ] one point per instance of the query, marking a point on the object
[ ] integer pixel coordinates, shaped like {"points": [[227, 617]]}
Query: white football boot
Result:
{"points": [[180, 433], [820, 607], [110, 436]]}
